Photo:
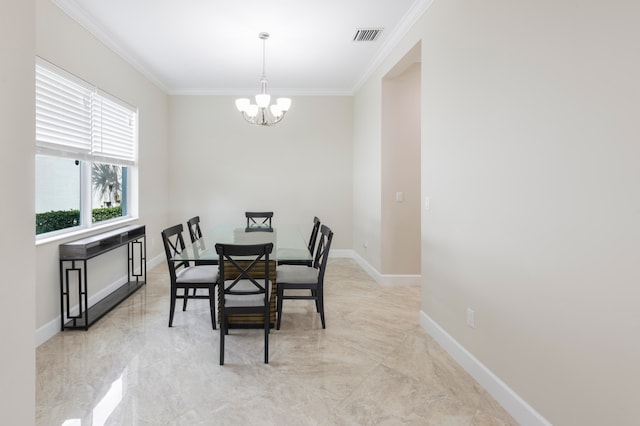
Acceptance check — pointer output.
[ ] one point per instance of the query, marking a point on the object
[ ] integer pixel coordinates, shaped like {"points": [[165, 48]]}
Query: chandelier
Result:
{"points": [[261, 113]]}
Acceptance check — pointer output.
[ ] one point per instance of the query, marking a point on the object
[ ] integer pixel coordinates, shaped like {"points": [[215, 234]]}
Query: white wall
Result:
{"points": [[300, 168], [17, 170], [530, 159], [63, 42]]}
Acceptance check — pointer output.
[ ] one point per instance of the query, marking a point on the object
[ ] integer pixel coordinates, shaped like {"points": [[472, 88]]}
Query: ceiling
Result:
{"points": [[212, 46]]}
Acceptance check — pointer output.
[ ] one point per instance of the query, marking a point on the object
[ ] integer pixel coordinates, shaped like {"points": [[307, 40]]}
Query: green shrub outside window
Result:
{"points": [[56, 220]]}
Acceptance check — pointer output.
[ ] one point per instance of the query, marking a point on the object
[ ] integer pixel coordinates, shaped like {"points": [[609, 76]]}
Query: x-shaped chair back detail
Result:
{"points": [[244, 274], [174, 245], [322, 252], [195, 234], [193, 225], [259, 221], [314, 235]]}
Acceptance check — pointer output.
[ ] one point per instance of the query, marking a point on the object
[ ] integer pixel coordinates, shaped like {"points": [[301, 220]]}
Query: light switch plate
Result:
{"points": [[471, 318]]}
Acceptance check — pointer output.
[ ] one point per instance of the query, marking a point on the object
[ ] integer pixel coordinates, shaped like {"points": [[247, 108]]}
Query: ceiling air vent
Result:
{"points": [[367, 34]]}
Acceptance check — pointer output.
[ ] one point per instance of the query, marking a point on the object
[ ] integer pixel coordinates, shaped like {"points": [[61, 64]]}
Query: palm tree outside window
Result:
{"points": [[108, 181]]}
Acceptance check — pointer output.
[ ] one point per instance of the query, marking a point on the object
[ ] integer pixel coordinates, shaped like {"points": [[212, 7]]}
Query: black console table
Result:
{"points": [[73, 268]]}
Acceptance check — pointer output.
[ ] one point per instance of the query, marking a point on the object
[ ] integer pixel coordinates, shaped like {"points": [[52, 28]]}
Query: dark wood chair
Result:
{"points": [[185, 276], [311, 247], [259, 221], [302, 277], [245, 287]]}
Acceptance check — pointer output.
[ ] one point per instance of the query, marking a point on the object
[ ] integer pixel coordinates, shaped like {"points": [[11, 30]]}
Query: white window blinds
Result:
{"points": [[113, 131], [77, 120], [63, 114]]}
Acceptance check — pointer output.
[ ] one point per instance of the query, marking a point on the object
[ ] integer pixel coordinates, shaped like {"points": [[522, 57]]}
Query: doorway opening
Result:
{"points": [[401, 167]]}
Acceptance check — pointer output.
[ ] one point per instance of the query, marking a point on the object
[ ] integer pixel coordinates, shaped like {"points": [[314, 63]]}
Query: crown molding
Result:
{"points": [[406, 23], [276, 92], [75, 12]]}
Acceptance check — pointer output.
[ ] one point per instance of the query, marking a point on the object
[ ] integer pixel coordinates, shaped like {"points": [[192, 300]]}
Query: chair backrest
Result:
{"points": [[173, 244], [244, 262], [193, 225], [322, 252], [314, 235], [259, 221]]}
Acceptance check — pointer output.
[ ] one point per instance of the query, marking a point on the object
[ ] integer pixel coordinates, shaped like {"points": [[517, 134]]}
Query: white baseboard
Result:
{"points": [[341, 253], [47, 331], [384, 279], [52, 328], [519, 409], [387, 279]]}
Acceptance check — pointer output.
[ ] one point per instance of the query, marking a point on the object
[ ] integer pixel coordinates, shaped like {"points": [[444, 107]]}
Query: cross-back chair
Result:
{"points": [[302, 277], [245, 287], [185, 276]]}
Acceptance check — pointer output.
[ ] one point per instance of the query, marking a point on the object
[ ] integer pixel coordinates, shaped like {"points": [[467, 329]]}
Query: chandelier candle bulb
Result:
{"points": [[252, 110], [284, 103], [263, 100], [261, 113]]}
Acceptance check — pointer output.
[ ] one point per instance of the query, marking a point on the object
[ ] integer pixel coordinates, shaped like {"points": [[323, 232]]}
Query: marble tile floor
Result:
{"points": [[372, 365]]}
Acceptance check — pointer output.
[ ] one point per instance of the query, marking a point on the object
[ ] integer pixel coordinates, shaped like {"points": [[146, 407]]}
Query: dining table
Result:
{"points": [[288, 245]]}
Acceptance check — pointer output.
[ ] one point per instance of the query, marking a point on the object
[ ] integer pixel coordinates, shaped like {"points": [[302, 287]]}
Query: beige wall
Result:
{"points": [[301, 168], [367, 168], [63, 42], [17, 172], [400, 245], [530, 161]]}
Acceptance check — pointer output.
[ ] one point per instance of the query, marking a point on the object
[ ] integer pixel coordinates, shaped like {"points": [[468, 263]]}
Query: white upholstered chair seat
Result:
{"points": [[296, 274], [198, 274]]}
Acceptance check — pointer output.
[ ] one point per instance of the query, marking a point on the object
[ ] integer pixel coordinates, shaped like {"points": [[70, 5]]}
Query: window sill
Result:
{"points": [[84, 232]]}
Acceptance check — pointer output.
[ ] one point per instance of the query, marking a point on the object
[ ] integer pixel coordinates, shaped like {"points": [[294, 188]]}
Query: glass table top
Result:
{"points": [[288, 243]]}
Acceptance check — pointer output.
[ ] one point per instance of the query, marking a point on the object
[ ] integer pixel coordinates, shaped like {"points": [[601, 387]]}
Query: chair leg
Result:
{"points": [[223, 331], [279, 306], [172, 306], [320, 304], [314, 294], [186, 298], [266, 335], [212, 305]]}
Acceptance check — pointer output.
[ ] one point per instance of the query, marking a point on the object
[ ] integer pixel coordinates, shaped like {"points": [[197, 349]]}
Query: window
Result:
{"points": [[86, 144]]}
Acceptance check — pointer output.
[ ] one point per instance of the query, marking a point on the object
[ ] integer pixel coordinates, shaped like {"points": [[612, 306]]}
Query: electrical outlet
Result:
{"points": [[471, 318], [365, 244]]}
